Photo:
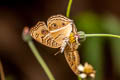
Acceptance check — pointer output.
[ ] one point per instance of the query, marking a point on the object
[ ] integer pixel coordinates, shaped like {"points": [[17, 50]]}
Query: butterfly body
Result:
{"points": [[56, 35]]}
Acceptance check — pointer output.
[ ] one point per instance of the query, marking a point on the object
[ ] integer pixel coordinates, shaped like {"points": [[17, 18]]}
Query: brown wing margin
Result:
{"points": [[74, 29]]}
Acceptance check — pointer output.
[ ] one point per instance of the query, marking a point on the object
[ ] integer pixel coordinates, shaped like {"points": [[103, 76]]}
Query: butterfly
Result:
{"points": [[56, 34]]}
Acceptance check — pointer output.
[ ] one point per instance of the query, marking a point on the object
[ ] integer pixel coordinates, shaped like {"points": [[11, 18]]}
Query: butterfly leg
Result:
{"points": [[64, 43]]}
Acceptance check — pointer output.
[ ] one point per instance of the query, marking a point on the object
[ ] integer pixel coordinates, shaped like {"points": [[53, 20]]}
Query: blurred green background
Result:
{"points": [[90, 16]]}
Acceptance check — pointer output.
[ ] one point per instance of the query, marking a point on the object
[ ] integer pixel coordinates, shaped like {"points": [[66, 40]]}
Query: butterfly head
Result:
{"points": [[58, 21]]}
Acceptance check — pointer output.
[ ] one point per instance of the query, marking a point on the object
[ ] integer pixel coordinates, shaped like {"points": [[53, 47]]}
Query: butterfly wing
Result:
{"points": [[72, 57], [41, 34], [60, 34]]}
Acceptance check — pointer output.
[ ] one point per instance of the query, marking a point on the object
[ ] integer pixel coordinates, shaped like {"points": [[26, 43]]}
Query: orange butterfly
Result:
{"points": [[56, 34]]}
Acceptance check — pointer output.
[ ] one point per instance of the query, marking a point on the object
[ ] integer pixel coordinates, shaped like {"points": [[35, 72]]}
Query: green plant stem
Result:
{"points": [[102, 35], [68, 8], [40, 60]]}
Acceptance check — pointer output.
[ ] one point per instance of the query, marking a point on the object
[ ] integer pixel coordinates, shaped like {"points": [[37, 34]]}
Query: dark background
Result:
{"points": [[91, 16]]}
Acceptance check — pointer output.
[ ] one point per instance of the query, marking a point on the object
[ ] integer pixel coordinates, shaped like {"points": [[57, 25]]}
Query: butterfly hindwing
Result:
{"points": [[72, 57]]}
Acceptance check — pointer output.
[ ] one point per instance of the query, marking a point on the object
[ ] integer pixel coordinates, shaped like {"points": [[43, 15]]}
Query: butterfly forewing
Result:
{"points": [[41, 34], [60, 34]]}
